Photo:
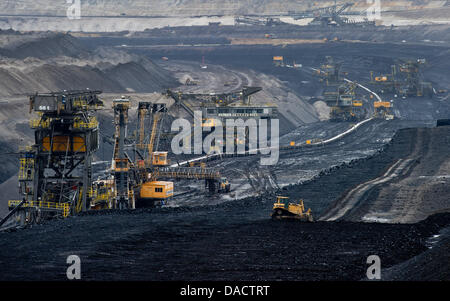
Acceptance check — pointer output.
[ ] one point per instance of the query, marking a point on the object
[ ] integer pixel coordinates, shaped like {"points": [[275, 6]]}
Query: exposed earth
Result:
{"points": [[381, 189]]}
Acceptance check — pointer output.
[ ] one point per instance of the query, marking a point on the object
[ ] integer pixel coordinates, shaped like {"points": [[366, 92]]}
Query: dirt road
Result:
{"points": [[414, 187]]}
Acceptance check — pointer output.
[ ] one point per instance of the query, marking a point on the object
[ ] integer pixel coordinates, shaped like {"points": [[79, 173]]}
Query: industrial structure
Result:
{"points": [[330, 71], [341, 98], [222, 106], [405, 80], [263, 21], [278, 61], [338, 94], [331, 16], [327, 16], [120, 163], [55, 175]]}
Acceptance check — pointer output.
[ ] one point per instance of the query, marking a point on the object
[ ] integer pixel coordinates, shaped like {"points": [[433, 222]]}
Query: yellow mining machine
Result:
{"points": [[278, 61], [151, 191], [151, 166], [120, 164], [102, 194], [405, 80], [283, 209], [382, 109], [339, 95], [135, 181], [55, 175], [385, 83], [343, 103], [218, 107], [412, 83], [329, 72]]}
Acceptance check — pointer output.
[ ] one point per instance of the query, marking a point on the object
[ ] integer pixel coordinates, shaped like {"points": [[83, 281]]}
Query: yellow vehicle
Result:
{"points": [[160, 159], [283, 209], [155, 193], [102, 194], [381, 78], [382, 109], [357, 103], [224, 185]]}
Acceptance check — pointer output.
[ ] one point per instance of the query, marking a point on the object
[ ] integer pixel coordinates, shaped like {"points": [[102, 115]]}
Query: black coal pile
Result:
{"points": [[234, 240], [224, 242]]}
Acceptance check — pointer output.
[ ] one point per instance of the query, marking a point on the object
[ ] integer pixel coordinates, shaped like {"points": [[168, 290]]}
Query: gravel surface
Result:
{"points": [[234, 240]]}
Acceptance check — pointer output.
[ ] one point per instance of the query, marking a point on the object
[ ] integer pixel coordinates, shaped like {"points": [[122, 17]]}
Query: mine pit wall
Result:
{"points": [[420, 190], [340, 179], [31, 62], [430, 147]]}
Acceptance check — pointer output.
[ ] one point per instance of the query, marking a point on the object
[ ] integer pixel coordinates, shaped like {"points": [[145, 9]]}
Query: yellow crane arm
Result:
{"points": [[153, 136], [141, 127]]}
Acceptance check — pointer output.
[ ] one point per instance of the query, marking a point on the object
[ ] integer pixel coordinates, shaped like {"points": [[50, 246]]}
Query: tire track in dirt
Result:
{"points": [[357, 194], [411, 189]]}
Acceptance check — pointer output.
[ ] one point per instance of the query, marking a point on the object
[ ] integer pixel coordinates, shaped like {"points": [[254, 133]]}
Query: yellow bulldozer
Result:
{"points": [[283, 209], [224, 185]]}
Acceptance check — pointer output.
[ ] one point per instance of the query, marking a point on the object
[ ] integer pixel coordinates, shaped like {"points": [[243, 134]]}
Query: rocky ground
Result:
{"points": [[360, 178], [235, 240], [31, 62], [242, 243], [414, 188]]}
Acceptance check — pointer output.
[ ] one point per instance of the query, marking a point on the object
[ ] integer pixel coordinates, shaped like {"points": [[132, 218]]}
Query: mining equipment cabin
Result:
{"points": [[283, 209], [155, 193], [278, 61]]}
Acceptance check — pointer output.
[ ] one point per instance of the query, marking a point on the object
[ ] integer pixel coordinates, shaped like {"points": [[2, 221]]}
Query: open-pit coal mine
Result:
{"points": [[117, 156]]}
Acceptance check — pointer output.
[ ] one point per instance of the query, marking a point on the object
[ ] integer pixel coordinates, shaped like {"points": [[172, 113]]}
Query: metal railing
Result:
{"points": [[80, 124], [64, 207], [188, 173], [39, 123], [83, 105], [26, 170]]}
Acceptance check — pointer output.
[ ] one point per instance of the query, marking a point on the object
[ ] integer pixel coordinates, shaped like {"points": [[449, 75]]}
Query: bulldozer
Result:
{"points": [[283, 209], [224, 185]]}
